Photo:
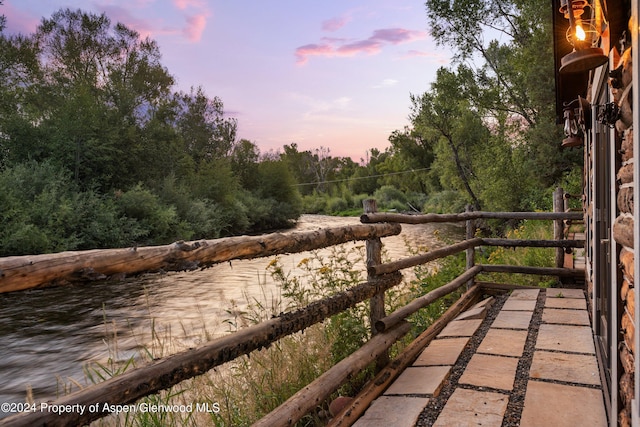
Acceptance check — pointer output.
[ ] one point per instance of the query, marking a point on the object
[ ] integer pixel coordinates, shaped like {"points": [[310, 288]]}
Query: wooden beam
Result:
{"points": [[533, 243], [24, 272], [384, 378], [542, 271], [320, 389], [427, 218], [424, 258], [418, 303]]}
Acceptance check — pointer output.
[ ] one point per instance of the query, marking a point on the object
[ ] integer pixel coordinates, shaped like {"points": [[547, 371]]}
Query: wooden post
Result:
{"points": [[376, 303], [471, 251], [558, 206]]}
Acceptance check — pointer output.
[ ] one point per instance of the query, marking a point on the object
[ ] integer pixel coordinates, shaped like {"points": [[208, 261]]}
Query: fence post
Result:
{"points": [[470, 252], [376, 303], [558, 224]]}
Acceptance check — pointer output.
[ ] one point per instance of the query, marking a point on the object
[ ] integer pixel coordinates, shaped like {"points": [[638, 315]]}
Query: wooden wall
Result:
{"points": [[624, 235]]}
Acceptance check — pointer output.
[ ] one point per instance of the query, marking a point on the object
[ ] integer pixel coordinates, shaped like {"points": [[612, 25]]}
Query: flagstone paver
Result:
{"points": [[565, 293], [473, 408], [558, 405], [512, 320], [567, 317], [519, 304], [460, 328], [473, 313], [487, 302], [569, 338], [398, 411], [525, 293], [571, 368], [442, 352], [485, 370], [504, 342], [425, 380], [579, 304]]}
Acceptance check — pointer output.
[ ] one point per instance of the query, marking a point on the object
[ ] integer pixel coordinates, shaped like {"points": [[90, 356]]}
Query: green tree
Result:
{"points": [[504, 52], [244, 163], [412, 151], [444, 117], [206, 133]]}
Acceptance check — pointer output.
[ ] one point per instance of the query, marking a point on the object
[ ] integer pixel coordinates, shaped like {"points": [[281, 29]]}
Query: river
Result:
{"points": [[47, 335]]}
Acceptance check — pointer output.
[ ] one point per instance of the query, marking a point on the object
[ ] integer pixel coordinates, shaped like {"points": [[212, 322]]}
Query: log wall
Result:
{"points": [[623, 234]]}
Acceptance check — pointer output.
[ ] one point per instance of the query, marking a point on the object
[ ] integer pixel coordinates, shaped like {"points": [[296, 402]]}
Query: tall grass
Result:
{"points": [[251, 386]]}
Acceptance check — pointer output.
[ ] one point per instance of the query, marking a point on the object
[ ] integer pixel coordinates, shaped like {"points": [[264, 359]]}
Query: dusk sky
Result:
{"points": [[331, 73]]}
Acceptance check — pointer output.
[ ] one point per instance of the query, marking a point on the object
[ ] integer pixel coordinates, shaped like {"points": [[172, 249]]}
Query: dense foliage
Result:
{"points": [[98, 149]]}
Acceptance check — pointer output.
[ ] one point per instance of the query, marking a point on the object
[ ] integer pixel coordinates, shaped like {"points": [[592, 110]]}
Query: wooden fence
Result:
{"points": [[386, 328]]}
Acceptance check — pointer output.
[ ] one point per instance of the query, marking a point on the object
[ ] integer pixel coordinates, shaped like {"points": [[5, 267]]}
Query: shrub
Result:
{"points": [[444, 202], [158, 223], [387, 194], [336, 204]]}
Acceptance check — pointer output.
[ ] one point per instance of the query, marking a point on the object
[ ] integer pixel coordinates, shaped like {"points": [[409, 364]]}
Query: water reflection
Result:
{"points": [[47, 335]]}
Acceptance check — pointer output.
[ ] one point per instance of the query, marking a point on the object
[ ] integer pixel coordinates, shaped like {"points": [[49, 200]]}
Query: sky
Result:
{"points": [[336, 74]]}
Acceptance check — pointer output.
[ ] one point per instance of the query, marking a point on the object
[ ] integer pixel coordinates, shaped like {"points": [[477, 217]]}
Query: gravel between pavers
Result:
{"points": [[517, 395]]}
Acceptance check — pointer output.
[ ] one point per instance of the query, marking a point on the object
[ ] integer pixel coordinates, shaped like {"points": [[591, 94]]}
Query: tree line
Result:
{"points": [[98, 148]]}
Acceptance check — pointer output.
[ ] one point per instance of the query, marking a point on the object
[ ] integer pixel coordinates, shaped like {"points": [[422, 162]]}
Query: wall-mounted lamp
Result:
{"points": [[577, 120], [581, 34]]}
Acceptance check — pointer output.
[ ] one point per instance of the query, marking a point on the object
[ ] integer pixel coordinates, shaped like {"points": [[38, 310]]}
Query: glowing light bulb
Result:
{"points": [[580, 34]]}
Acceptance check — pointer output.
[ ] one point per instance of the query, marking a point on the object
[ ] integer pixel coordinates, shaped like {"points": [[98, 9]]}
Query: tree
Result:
{"points": [[206, 133], [244, 163], [444, 116], [504, 55], [100, 86], [412, 151]]}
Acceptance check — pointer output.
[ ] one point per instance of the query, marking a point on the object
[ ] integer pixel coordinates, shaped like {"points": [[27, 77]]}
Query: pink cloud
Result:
{"points": [[332, 47], [304, 52], [368, 46], [195, 27], [398, 35], [334, 24]]}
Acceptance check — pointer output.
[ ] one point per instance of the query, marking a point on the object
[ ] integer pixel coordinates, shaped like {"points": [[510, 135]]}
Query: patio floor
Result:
{"points": [[530, 361]]}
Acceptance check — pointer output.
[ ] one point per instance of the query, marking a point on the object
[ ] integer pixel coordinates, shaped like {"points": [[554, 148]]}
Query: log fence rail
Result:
{"points": [[386, 328]]}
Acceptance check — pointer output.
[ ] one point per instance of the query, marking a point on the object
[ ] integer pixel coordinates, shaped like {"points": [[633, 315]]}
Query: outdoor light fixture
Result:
{"points": [[581, 34], [577, 119]]}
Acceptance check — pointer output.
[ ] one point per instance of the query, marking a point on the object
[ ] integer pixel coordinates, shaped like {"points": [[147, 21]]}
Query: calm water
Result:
{"points": [[48, 335]]}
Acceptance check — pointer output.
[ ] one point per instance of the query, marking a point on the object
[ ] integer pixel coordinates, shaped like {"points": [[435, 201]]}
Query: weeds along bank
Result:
{"points": [[242, 391]]}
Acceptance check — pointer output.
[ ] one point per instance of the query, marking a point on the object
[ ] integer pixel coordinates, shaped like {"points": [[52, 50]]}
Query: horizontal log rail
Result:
{"points": [[24, 272], [16, 273], [465, 216], [321, 388], [540, 271], [423, 258], [416, 260], [423, 301]]}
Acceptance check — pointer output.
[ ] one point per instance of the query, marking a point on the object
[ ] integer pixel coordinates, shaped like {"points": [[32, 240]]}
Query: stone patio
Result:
{"points": [[561, 371]]}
